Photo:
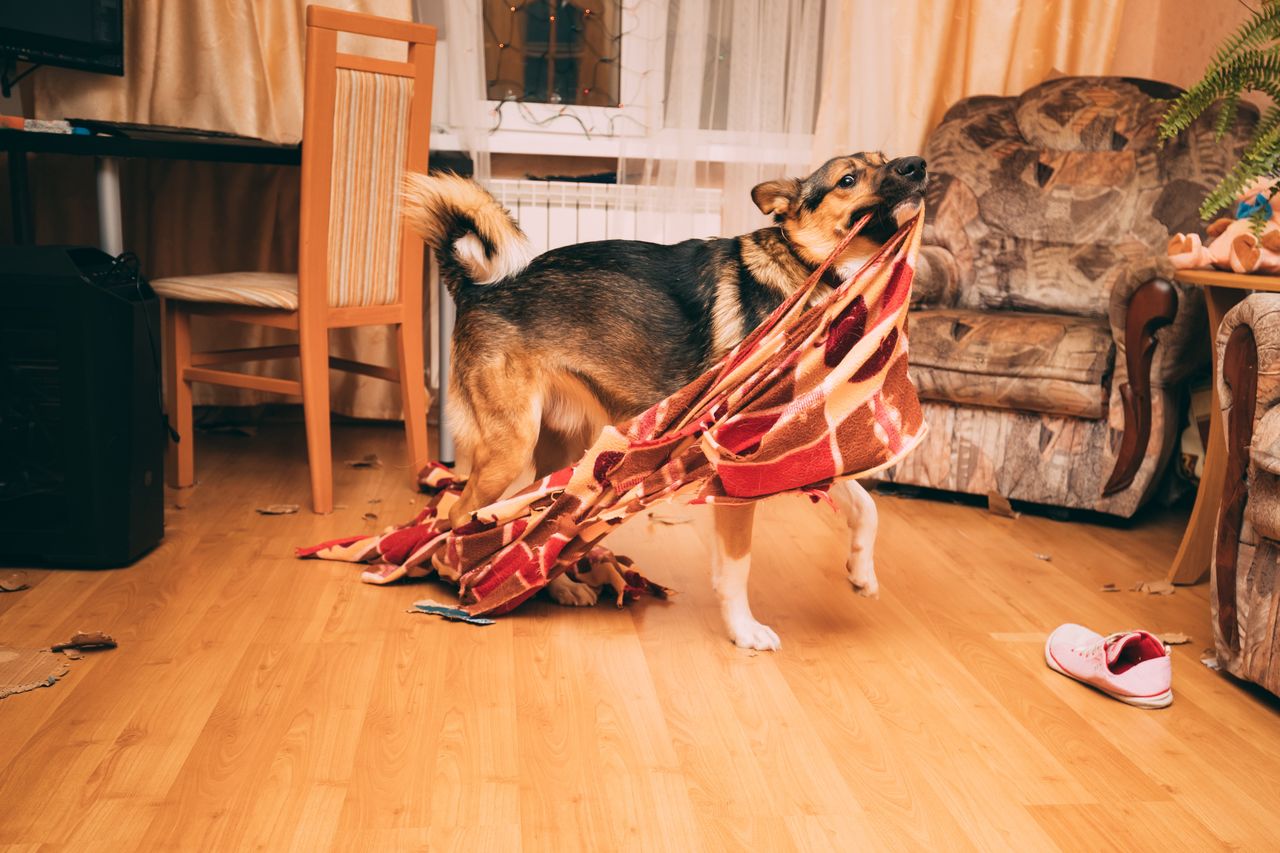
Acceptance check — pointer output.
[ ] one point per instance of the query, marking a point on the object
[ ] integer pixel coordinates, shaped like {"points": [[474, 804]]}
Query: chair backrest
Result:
{"points": [[366, 122]]}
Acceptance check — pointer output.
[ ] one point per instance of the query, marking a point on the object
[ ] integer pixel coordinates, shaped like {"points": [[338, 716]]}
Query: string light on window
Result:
{"points": [[550, 44], [555, 44]]}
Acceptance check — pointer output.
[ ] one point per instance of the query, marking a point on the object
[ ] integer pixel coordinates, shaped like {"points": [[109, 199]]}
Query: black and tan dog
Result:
{"points": [[595, 333]]}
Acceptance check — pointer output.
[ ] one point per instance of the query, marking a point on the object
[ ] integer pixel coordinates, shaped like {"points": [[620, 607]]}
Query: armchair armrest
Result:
{"points": [[1245, 632], [1238, 391], [1158, 325], [937, 278], [1152, 306], [1183, 345]]}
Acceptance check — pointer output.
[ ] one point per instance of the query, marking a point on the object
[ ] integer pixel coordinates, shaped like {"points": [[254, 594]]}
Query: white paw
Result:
{"points": [[570, 593], [862, 574], [750, 634]]}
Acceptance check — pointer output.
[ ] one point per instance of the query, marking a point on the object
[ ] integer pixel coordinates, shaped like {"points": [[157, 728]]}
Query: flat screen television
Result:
{"points": [[84, 34]]}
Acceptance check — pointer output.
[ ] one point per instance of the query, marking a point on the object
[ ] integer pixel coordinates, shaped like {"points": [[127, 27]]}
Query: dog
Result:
{"points": [[595, 333]]}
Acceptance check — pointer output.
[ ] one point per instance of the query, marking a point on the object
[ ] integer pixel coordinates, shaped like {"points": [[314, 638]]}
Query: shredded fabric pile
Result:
{"points": [[817, 392]]}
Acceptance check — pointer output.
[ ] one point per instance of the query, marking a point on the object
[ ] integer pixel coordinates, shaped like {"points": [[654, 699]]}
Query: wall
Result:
{"points": [[1173, 40]]}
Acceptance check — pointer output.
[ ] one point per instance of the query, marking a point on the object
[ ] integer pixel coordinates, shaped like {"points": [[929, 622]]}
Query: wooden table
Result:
{"points": [[1222, 290], [108, 150]]}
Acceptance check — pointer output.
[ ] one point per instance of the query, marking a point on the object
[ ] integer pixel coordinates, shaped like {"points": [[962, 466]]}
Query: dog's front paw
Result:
{"points": [[750, 634], [570, 593], [862, 574]]}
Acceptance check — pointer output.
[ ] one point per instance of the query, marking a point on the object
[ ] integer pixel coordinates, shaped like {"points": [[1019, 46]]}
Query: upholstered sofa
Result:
{"points": [[1243, 589], [1048, 342]]}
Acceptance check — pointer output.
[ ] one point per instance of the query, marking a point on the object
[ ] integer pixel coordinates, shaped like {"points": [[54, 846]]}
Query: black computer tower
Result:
{"points": [[81, 431]]}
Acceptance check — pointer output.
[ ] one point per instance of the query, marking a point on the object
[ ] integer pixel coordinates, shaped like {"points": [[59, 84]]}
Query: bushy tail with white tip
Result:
{"points": [[474, 237]]}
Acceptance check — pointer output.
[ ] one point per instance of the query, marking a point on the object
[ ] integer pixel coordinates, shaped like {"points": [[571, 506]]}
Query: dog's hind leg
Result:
{"points": [[500, 430], [859, 511], [730, 565]]}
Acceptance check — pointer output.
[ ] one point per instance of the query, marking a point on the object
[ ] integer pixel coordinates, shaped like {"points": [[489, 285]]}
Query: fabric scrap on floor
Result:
{"points": [[28, 669], [449, 612], [998, 504], [86, 641], [14, 582], [1154, 588]]}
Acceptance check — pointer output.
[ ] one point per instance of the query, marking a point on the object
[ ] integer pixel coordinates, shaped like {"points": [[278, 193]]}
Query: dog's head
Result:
{"points": [[819, 210]]}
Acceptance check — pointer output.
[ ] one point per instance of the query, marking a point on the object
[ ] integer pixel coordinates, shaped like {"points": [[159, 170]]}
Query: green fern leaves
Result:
{"points": [[1248, 61]]}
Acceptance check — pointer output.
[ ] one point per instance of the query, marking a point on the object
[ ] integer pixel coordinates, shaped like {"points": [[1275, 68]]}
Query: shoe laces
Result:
{"points": [[1096, 646]]}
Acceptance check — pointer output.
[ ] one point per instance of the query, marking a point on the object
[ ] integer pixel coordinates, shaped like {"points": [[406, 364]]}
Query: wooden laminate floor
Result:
{"points": [[257, 701]]}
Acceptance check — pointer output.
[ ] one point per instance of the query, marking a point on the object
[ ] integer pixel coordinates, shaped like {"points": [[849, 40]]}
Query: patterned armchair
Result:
{"points": [[1047, 342], [1244, 592]]}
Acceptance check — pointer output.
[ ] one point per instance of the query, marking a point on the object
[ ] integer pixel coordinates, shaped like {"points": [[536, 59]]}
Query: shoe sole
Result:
{"points": [[1160, 700]]}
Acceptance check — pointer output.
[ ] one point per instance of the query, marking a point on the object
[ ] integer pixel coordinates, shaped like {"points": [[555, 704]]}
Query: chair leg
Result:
{"points": [[413, 393], [313, 352], [181, 458]]}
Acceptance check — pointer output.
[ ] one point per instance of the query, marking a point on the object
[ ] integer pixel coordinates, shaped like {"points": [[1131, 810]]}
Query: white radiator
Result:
{"points": [[556, 214]]}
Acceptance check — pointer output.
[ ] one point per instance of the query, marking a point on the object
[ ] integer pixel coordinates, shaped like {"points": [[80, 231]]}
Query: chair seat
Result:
{"points": [[252, 289], [1048, 363]]}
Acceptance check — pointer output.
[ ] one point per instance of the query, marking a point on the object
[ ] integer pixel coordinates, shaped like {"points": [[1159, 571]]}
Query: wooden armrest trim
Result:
{"points": [[1152, 307], [1240, 374]]}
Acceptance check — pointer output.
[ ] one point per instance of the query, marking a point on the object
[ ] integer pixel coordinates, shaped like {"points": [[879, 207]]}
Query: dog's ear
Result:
{"points": [[777, 197]]}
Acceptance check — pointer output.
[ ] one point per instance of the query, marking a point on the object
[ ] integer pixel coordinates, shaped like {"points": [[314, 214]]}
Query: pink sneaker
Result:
{"points": [[1132, 666]]}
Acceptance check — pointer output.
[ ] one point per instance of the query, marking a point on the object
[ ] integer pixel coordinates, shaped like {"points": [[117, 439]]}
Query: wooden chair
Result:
{"points": [[365, 123]]}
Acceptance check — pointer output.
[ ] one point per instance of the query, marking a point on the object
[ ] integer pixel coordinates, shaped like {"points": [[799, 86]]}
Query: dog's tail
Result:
{"points": [[475, 239]]}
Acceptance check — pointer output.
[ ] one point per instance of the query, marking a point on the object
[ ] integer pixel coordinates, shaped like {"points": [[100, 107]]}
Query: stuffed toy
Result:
{"points": [[1235, 244]]}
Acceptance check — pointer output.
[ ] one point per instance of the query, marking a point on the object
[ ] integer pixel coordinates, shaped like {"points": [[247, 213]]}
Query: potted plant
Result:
{"points": [[1248, 61]]}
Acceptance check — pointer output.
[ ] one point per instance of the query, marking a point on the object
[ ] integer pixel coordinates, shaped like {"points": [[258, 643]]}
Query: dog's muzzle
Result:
{"points": [[907, 176], [909, 168]]}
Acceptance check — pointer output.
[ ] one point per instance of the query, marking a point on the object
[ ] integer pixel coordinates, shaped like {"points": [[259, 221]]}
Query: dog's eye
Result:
{"points": [[847, 181]]}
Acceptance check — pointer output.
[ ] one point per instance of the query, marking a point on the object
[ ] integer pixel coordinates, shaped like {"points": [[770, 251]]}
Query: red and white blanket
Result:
{"points": [[819, 391]]}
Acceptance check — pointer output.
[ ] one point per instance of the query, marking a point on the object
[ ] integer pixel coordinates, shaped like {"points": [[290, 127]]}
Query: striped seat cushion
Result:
{"points": [[251, 289]]}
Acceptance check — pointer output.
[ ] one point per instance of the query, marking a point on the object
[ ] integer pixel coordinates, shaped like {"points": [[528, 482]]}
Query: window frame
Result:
{"points": [[546, 128]]}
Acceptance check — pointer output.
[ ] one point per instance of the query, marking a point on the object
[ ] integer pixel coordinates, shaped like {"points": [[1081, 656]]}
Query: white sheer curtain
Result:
{"points": [[771, 98], [458, 102], [737, 107]]}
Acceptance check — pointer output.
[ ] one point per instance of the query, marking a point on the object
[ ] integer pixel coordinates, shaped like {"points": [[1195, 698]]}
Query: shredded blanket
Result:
{"points": [[817, 392]]}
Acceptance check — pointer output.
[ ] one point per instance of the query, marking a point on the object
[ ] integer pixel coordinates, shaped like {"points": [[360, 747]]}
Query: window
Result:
{"points": [[571, 76], [553, 51], [588, 77]]}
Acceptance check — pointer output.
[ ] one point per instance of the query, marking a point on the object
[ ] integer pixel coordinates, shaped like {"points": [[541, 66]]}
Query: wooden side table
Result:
{"points": [[1222, 290]]}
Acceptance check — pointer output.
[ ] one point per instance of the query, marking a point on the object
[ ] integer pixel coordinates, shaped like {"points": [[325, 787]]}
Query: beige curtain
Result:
{"points": [[231, 65], [892, 69]]}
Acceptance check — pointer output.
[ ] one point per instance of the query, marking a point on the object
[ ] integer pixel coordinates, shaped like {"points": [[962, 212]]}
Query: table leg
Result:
{"points": [[1191, 565], [444, 342], [20, 199], [110, 217]]}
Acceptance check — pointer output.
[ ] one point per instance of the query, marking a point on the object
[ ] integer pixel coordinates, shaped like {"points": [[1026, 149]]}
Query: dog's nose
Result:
{"points": [[911, 168]]}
